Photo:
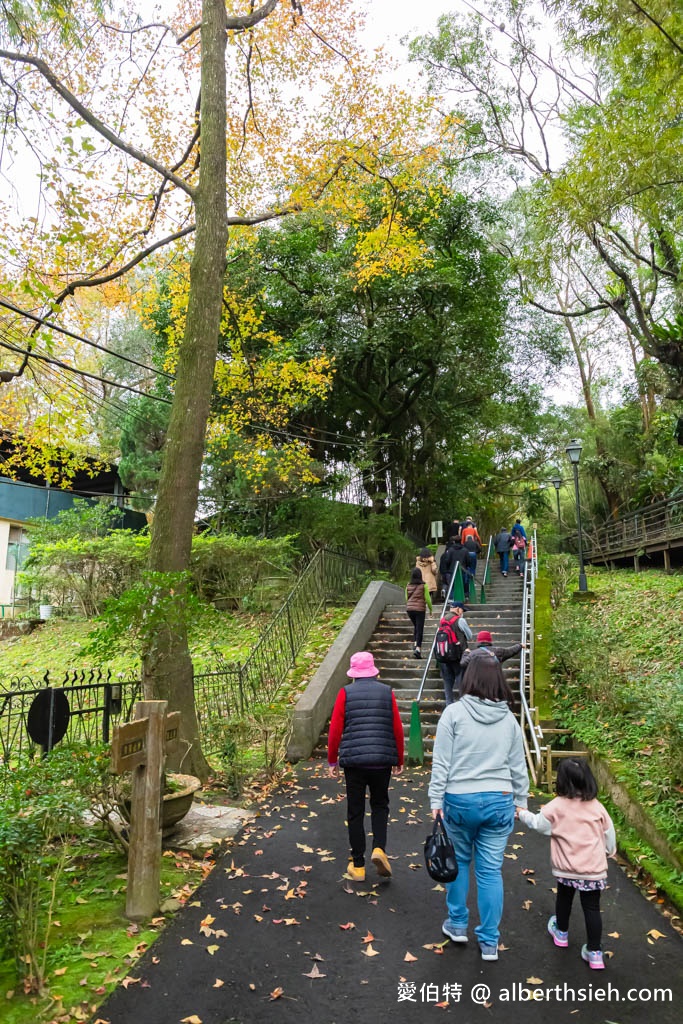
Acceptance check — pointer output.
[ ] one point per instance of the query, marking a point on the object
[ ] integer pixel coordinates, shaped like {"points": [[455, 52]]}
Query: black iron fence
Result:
{"points": [[236, 688], [97, 701]]}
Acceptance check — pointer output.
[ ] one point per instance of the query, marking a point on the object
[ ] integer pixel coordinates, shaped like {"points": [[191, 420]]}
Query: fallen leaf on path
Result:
{"points": [[369, 937], [194, 1019], [409, 958], [127, 982], [218, 983], [212, 949], [58, 973], [654, 934], [614, 935], [252, 986], [346, 927], [314, 973], [370, 951], [276, 993], [502, 947], [186, 942], [534, 981], [510, 856], [528, 871], [526, 905]]}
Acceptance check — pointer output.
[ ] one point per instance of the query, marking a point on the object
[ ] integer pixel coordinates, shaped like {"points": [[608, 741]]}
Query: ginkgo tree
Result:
{"points": [[148, 136]]}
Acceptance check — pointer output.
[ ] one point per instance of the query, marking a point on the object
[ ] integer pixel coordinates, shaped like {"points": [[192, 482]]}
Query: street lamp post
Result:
{"points": [[573, 450], [556, 481]]}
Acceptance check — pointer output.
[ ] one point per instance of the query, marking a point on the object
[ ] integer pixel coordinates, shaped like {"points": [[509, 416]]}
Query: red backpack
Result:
{"points": [[448, 644]]}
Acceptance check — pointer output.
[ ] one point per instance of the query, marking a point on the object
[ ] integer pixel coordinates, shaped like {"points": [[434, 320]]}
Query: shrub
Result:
{"points": [[41, 808]]}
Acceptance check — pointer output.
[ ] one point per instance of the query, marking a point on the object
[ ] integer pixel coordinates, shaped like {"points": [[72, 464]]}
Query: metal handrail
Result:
{"points": [[488, 559], [526, 718], [458, 569]]}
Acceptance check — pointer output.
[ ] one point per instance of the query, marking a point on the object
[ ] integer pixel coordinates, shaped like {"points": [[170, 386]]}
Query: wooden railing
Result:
{"points": [[653, 526]]}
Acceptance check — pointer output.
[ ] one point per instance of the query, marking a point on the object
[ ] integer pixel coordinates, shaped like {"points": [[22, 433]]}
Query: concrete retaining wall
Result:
{"points": [[315, 704], [634, 813]]}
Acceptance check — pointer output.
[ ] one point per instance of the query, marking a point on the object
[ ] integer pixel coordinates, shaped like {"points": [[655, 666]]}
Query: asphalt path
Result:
{"points": [[277, 933]]}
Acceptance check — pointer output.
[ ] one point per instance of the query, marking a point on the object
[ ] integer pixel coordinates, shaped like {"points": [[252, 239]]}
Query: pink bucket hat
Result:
{"points": [[362, 666]]}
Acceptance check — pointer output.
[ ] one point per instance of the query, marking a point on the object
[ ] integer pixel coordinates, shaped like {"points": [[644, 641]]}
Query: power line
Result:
{"points": [[82, 373], [77, 337]]}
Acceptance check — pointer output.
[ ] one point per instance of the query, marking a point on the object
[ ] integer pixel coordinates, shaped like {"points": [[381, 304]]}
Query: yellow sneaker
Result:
{"points": [[354, 873], [379, 859]]}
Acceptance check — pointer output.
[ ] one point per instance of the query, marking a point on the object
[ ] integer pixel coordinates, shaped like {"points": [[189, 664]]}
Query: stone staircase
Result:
{"points": [[391, 646]]}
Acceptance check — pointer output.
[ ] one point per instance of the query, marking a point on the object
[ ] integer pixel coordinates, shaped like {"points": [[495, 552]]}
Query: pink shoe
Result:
{"points": [[593, 958], [559, 938]]}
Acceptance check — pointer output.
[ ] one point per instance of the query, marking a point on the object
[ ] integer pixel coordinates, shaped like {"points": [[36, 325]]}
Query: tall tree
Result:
{"points": [[297, 116]]}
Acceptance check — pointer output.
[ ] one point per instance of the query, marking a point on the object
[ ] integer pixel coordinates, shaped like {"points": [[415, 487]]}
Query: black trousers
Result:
{"points": [[418, 621], [357, 781], [590, 904]]}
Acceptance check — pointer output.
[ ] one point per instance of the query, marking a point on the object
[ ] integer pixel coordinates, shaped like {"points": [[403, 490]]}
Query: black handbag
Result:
{"points": [[439, 854]]}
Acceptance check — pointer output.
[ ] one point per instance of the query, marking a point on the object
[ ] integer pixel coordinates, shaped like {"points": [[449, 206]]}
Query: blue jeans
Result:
{"points": [[479, 825], [504, 559], [452, 674], [472, 562]]}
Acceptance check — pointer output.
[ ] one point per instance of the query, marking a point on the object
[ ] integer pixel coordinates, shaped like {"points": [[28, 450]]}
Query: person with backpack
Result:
{"points": [[518, 529], [450, 645], [518, 551], [426, 563], [418, 599], [469, 529], [366, 740], [581, 839], [502, 542], [473, 548]]}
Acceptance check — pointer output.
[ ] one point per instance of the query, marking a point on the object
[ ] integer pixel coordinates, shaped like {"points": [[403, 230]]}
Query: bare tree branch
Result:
{"points": [[99, 126]]}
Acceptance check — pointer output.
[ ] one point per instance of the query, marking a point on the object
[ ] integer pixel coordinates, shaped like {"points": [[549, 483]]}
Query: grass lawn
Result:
{"points": [[93, 946], [618, 673]]}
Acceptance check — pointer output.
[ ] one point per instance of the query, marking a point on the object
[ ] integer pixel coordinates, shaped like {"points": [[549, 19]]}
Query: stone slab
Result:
{"points": [[205, 825]]}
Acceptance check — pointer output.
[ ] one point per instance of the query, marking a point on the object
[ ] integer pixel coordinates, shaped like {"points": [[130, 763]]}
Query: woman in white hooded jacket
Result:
{"points": [[479, 775]]}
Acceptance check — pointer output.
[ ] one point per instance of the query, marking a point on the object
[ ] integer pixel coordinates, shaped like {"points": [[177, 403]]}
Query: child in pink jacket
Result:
{"points": [[581, 838]]}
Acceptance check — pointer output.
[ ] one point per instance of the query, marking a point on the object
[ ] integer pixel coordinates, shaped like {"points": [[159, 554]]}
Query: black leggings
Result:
{"points": [[590, 904], [418, 621]]}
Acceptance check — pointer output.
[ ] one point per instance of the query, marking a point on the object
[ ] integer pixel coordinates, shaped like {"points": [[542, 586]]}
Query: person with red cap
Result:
{"points": [[366, 740], [485, 649]]}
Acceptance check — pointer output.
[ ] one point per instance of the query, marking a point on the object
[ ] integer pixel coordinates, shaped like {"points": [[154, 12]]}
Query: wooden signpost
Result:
{"points": [[140, 746]]}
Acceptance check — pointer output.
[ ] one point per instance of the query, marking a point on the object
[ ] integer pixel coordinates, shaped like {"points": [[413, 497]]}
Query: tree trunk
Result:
{"points": [[167, 667], [611, 495]]}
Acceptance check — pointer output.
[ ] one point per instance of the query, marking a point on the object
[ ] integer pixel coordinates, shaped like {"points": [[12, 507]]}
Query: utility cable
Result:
{"points": [[77, 337], [82, 373]]}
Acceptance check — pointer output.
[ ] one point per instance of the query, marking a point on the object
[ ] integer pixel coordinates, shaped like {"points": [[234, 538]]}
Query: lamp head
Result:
{"points": [[573, 450], [556, 481]]}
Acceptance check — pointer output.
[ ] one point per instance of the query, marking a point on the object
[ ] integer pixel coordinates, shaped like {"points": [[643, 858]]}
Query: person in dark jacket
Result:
{"points": [[502, 542], [460, 554], [446, 568], [366, 740], [452, 671], [485, 649], [453, 529]]}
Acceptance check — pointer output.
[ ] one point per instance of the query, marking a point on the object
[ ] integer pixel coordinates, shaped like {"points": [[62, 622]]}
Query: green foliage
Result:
{"points": [[41, 806], [355, 528], [619, 685], [76, 562]]}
